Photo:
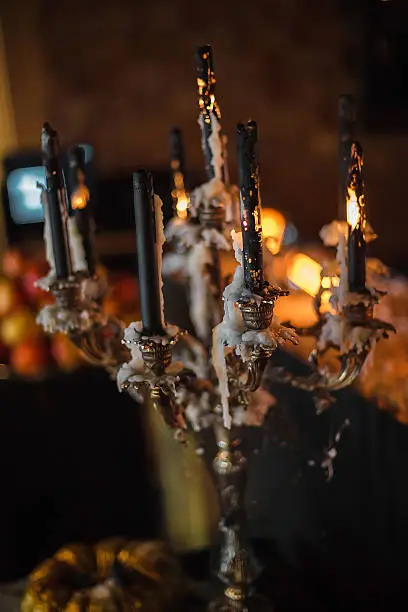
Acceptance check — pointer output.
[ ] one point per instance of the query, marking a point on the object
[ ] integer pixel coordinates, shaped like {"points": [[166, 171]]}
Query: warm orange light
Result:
{"points": [[182, 206], [325, 305], [181, 199], [273, 227], [353, 209], [305, 273], [80, 198]]}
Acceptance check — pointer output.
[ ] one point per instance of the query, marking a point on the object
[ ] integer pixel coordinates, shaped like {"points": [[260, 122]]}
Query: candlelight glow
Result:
{"points": [[273, 228], [305, 273], [353, 210], [330, 281], [325, 305], [182, 206], [179, 194], [80, 198]]}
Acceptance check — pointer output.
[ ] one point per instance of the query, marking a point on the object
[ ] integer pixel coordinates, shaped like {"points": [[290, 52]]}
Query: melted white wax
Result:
{"points": [[134, 370], [76, 247], [160, 240], [232, 333], [215, 192], [216, 146], [336, 330]]}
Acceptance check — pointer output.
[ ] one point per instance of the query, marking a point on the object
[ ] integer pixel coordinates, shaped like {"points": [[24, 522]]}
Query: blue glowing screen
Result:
{"points": [[23, 194]]}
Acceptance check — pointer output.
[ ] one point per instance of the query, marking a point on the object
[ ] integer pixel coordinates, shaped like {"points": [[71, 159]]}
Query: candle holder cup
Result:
{"points": [[74, 314], [158, 379]]}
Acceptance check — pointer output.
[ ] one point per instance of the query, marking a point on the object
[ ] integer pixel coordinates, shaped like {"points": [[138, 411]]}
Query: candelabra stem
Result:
{"points": [[237, 566]]}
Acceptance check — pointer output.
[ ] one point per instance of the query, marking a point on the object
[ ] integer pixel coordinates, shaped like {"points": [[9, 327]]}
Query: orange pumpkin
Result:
{"points": [[111, 576]]}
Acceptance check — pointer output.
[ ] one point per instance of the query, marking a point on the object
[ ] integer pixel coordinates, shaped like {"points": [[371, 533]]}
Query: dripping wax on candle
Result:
{"points": [[209, 114], [356, 219], [248, 172], [160, 240], [150, 238], [81, 225]]}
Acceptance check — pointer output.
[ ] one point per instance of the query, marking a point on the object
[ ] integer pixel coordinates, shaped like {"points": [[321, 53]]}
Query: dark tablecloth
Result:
{"points": [[74, 467]]}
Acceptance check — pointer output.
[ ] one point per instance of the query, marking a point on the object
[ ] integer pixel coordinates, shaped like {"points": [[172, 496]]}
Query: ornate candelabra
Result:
{"points": [[206, 381]]}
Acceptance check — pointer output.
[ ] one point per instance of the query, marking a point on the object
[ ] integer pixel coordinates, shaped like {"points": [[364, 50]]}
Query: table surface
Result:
{"points": [[342, 541]]}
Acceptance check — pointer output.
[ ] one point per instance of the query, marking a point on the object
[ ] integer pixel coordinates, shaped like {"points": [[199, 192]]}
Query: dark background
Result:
{"points": [[120, 74]]}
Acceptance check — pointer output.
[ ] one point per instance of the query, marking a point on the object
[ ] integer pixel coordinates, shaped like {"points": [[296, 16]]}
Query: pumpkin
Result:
{"points": [[114, 575]]}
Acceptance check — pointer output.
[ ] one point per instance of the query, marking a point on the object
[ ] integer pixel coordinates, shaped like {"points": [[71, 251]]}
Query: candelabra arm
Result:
{"points": [[355, 328], [254, 368], [101, 345], [350, 367]]}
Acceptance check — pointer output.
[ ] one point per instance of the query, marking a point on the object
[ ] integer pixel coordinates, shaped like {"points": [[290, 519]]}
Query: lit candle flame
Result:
{"points": [[80, 198], [353, 209], [182, 205]]}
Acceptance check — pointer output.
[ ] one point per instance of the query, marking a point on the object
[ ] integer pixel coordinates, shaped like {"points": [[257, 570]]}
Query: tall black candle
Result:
{"points": [[248, 174], [56, 202], [177, 165], [208, 106], [149, 283], [80, 204], [347, 135], [356, 218]]}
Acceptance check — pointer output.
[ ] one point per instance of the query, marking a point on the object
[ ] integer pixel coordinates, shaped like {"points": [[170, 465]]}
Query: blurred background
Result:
{"points": [[117, 76]]}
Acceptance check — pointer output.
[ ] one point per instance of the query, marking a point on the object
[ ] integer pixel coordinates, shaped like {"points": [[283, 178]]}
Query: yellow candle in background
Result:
{"points": [[189, 498], [305, 273], [273, 228]]}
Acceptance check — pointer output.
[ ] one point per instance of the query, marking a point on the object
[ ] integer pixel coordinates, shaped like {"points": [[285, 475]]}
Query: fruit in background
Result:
{"points": [[103, 273], [30, 358], [32, 274], [18, 326], [9, 296], [13, 263], [126, 290], [112, 306], [65, 354]]}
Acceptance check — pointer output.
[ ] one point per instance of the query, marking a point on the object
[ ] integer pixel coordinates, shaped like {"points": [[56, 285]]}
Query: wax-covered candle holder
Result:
{"points": [[152, 374], [350, 329], [74, 314], [352, 334], [71, 313]]}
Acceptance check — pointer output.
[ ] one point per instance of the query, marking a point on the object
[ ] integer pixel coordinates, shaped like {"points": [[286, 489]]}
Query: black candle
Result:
{"points": [[356, 218], [149, 282], [248, 174], [56, 202], [208, 106], [177, 164], [347, 135], [80, 206]]}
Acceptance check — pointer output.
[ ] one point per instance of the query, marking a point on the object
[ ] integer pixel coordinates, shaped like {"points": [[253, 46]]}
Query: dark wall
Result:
{"points": [[120, 74]]}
